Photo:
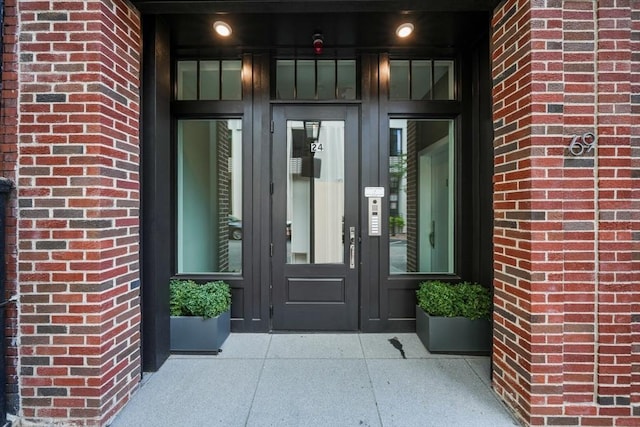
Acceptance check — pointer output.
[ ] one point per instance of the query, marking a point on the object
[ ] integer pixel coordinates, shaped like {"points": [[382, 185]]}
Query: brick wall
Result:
{"points": [[566, 263], [8, 150], [78, 200], [635, 199]]}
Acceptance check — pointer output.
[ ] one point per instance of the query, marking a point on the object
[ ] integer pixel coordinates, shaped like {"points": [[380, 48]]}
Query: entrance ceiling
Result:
{"points": [[344, 24], [371, 30]]}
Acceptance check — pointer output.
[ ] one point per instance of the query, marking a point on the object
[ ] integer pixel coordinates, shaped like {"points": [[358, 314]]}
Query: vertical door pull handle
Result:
{"points": [[352, 247]]}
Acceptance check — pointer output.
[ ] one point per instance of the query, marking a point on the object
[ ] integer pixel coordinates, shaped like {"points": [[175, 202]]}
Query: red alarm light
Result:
{"points": [[318, 43]]}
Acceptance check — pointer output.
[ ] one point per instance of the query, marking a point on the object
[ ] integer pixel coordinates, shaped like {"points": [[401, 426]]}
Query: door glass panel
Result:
{"points": [[315, 192], [209, 196], [421, 188]]}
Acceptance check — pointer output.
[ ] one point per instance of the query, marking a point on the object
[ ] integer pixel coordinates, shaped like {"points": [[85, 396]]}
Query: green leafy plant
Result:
{"points": [[396, 221], [464, 299], [188, 298]]}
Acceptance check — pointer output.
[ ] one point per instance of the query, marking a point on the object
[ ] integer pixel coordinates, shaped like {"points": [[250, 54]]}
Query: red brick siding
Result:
{"points": [[78, 197], [635, 200], [8, 150], [566, 271]]}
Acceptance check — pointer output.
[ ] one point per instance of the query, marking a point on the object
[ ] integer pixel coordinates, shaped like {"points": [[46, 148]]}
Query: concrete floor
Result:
{"points": [[318, 380]]}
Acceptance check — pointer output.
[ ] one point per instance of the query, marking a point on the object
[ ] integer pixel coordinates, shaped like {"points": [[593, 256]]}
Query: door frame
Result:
{"points": [[350, 317]]}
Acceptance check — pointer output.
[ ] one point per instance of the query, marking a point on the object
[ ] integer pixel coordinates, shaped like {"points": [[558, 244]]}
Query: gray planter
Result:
{"points": [[198, 335], [453, 334]]}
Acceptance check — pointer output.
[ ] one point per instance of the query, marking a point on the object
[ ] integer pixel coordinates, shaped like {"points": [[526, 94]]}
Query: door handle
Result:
{"points": [[352, 247]]}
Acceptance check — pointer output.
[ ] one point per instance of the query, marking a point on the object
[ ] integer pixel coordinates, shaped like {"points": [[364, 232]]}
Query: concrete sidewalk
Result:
{"points": [[318, 380]]}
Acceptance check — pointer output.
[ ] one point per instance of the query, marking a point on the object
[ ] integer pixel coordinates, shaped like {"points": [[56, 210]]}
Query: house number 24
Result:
{"points": [[316, 146]]}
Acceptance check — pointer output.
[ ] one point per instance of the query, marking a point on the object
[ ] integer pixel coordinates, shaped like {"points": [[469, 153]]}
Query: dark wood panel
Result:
{"points": [[315, 290], [402, 303]]}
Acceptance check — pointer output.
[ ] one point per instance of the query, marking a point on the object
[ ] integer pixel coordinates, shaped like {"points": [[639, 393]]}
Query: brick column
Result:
{"points": [[566, 271], [78, 196]]}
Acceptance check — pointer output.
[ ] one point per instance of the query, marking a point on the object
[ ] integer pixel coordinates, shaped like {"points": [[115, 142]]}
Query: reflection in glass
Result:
{"points": [[315, 193], [306, 79], [421, 185], [285, 79], [326, 79], [420, 80], [209, 80], [231, 80], [187, 80], [346, 79], [209, 210], [443, 80], [399, 79]]}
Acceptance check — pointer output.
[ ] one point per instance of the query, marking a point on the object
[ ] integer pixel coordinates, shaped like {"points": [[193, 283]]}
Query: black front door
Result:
{"points": [[315, 230]]}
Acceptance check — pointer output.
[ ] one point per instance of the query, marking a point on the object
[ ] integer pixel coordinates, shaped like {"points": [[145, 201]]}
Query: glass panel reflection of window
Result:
{"points": [[420, 80], [346, 79], [326, 79], [187, 80], [231, 80], [443, 80], [210, 80], [315, 194], [209, 211], [285, 79], [306, 79], [421, 188], [399, 79]]}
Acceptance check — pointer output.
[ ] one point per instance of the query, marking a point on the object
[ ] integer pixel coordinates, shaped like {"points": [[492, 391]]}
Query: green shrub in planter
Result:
{"points": [[454, 318], [470, 300], [187, 298]]}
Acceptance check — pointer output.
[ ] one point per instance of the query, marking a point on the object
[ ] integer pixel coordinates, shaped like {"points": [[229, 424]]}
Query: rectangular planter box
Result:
{"points": [[453, 334], [198, 335]]}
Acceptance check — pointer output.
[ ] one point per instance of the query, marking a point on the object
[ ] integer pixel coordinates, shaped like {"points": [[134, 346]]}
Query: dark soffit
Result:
{"points": [[312, 6], [371, 30]]}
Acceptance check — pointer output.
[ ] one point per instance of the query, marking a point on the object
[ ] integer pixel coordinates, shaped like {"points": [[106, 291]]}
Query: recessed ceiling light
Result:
{"points": [[222, 28], [404, 30]]}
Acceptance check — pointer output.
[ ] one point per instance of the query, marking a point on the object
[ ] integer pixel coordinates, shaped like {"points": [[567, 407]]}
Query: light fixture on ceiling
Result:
{"points": [[404, 30], [222, 28]]}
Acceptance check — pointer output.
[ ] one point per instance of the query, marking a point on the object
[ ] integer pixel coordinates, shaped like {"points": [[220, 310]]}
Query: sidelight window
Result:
{"points": [[209, 202], [421, 196]]}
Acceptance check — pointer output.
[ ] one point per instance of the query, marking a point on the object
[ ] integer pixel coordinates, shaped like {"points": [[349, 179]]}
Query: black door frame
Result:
{"points": [[328, 315], [253, 295]]}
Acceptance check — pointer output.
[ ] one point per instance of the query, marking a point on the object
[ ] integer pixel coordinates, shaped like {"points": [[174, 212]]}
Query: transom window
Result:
{"points": [[421, 80], [210, 80], [310, 79]]}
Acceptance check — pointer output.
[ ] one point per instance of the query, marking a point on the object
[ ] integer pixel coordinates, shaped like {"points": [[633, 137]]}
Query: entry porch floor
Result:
{"points": [[318, 380]]}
